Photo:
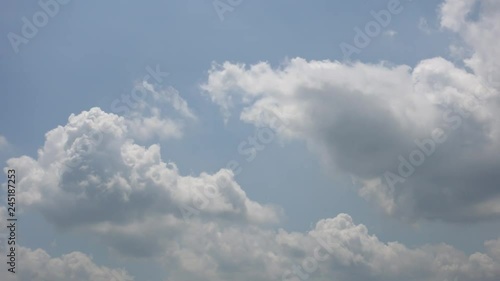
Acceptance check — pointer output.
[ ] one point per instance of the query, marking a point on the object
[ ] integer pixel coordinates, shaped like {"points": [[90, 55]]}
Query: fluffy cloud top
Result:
{"points": [[92, 169], [125, 195], [421, 142]]}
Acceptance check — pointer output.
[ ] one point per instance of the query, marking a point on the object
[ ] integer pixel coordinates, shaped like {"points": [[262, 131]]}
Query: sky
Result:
{"points": [[250, 140]]}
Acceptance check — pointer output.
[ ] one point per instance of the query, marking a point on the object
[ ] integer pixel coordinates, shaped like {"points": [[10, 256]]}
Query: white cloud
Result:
{"points": [[336, 248], [93, 170], [479, 33], [359, 118]]}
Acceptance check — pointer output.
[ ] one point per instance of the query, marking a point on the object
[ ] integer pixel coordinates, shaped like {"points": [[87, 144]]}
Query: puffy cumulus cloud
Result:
{"points": [[336, 248], [38, 265], [363, 118], [357, 255], [92, 169]]}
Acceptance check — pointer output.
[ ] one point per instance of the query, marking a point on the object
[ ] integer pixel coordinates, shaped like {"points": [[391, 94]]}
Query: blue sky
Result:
{"points": [[346, 118]]}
